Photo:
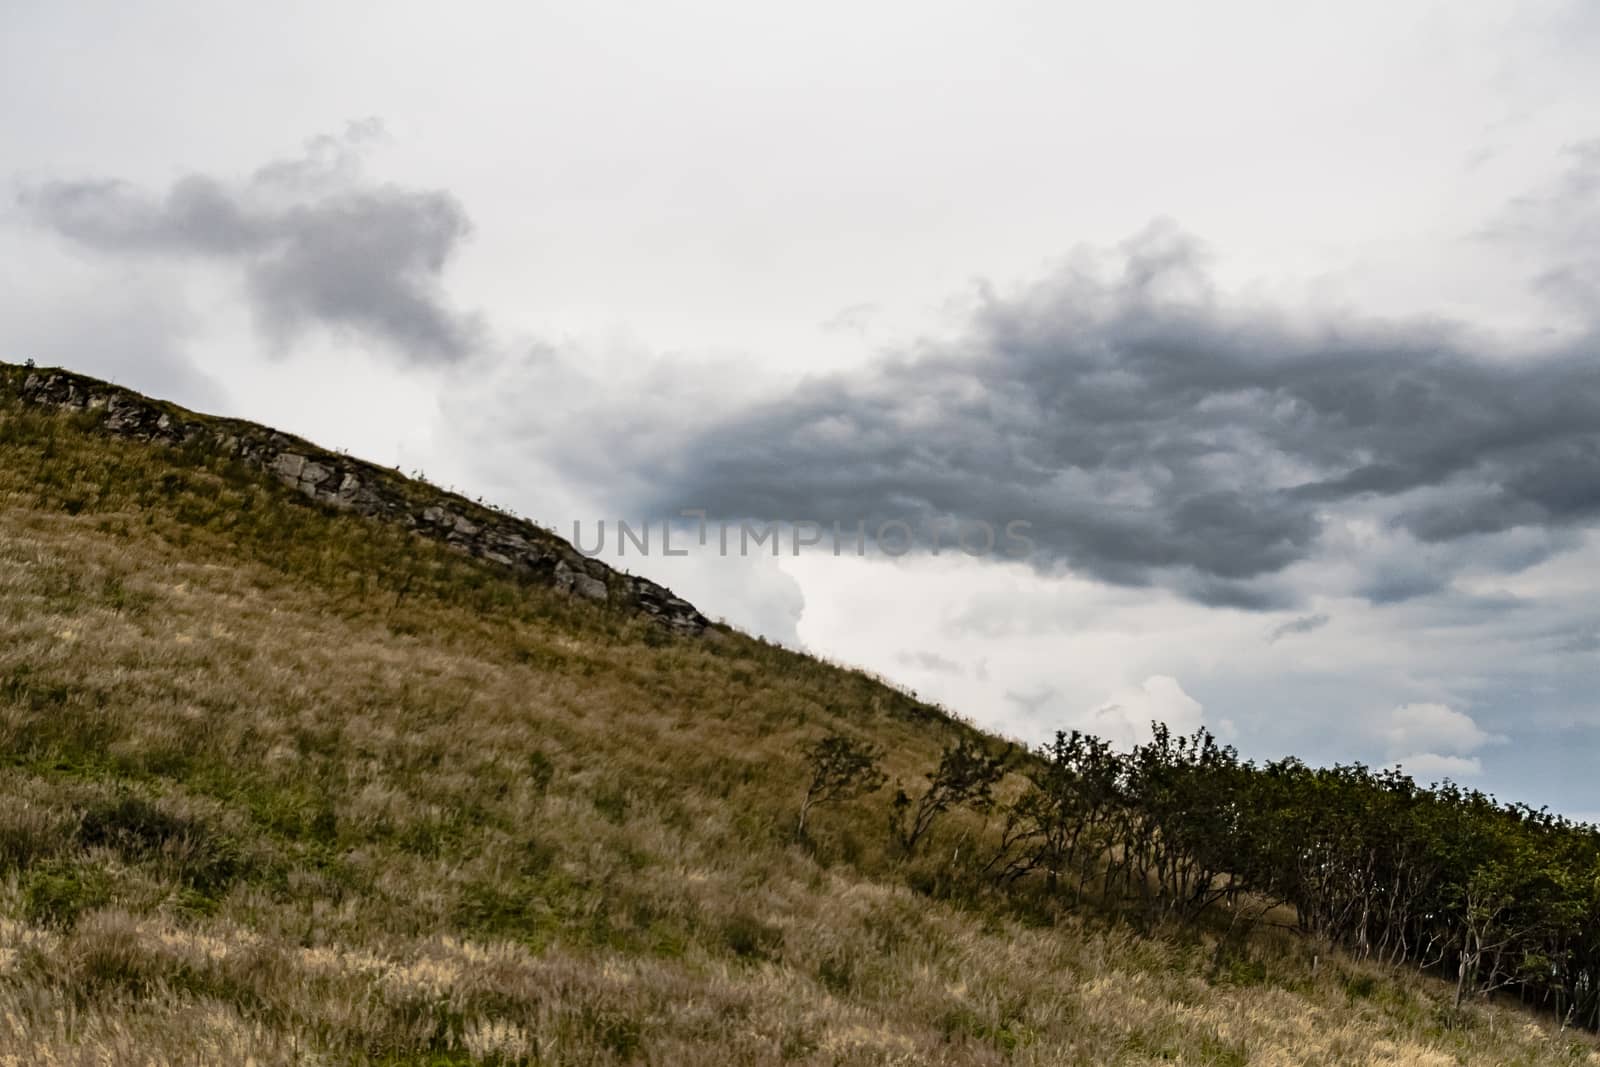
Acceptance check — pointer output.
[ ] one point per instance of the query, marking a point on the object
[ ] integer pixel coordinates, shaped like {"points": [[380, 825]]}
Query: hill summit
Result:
{"points": [[342, 482]]}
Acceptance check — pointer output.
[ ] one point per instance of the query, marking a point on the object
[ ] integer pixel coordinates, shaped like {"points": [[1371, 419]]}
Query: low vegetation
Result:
{"points": [[283, 786]]}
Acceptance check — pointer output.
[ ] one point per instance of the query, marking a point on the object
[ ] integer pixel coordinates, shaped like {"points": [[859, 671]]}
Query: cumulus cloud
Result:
{"points": [[1430, 766], [317, 243], [1125, 719], [1434, 728]]}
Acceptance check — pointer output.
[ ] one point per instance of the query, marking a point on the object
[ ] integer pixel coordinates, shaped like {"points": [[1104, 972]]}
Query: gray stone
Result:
{"points": [[592, 588], [288, 466], [315, 473], [580, 584], [376, 492]]}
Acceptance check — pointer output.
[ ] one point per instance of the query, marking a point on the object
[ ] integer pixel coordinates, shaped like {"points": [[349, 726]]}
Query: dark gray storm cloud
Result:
{"points": [[318, 244], [1153, 436]]}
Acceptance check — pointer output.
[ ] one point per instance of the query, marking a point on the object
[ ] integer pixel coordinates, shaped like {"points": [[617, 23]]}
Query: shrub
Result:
{"points": [[541, 771], [141, 832], [842, 768], [56, 893], [28, 833], [965, 777], [750, 938]]}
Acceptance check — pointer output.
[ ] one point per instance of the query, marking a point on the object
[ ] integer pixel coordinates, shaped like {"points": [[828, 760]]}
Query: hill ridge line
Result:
{"points": [[346, 483]]}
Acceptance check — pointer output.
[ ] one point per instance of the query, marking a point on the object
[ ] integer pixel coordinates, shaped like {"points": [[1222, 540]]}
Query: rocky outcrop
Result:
{"points": [[338, 481]]}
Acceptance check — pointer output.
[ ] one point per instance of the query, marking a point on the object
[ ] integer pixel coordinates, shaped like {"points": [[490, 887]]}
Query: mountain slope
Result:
{"points": [[294, 784], [346, 484]]}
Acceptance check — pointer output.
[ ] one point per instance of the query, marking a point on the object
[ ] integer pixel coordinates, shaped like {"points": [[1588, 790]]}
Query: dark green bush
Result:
{"points": [[57, 892]]}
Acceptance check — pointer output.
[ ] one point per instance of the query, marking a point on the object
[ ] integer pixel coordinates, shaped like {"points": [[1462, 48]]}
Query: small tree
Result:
{"points": [[841, 768], [966, 776], [1059, 824]]}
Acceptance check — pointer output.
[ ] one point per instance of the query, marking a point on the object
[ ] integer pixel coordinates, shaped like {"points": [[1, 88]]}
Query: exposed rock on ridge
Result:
{"points": [[354, 485]]}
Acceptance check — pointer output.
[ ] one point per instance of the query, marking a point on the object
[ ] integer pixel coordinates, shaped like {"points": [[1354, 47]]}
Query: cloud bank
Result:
{"points": [[1155, 435]]}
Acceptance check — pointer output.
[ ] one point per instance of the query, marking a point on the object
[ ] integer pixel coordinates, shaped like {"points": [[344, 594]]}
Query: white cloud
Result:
{"points": [[1125, 719], [1431, 766], [1434, 728]]}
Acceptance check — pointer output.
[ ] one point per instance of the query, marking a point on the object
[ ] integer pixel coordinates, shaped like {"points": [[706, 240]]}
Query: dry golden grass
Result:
{"points": [[286, 787]]}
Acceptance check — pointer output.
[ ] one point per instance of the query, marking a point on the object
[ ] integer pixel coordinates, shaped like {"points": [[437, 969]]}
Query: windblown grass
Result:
{"points": [[279, 786]]}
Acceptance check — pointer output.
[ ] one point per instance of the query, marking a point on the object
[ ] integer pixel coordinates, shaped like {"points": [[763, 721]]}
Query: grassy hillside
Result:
{"points": [[287, 786]]}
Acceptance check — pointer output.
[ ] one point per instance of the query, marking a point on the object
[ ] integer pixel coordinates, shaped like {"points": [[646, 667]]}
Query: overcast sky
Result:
{"points": [[1279, 324]]}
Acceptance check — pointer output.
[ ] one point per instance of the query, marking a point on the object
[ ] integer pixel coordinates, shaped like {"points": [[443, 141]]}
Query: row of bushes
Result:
{"points": [[1443, 878]]}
